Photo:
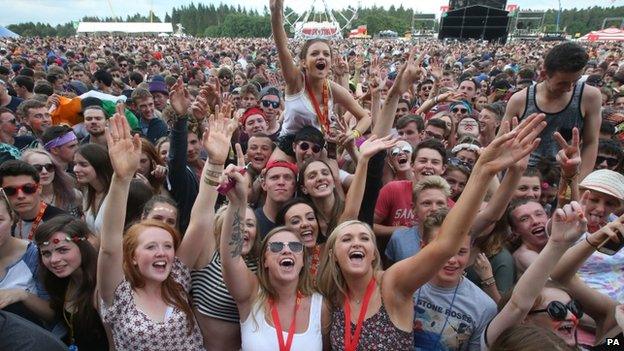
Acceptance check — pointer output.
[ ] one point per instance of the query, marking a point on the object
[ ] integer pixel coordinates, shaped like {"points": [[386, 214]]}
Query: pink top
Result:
{"points": [[134, 330]]}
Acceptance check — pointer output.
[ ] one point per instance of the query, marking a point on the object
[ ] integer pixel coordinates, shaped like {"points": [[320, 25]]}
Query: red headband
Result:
{"points": [[250, 112], [280, 163]]}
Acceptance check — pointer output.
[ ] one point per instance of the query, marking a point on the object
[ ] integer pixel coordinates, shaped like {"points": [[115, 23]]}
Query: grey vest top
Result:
{"points": [[563, 122]]}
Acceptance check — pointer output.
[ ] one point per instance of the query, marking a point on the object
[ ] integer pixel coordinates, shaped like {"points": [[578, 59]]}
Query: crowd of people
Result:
{"points": [[273, 194]]}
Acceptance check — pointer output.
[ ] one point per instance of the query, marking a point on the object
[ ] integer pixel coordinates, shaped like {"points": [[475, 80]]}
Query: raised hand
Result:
{"points": [[483, 267], [409, 73], [340, 67], [569, 157], [124, 149], [568, 224], [512, 146], [216, 139], [179, 98], [238, 194], [373, 145], [200, 108], [275, 5]]}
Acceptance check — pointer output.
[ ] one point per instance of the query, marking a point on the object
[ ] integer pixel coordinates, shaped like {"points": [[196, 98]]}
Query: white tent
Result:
{"points": [[608, 34], [5, 33], [124, 27]]}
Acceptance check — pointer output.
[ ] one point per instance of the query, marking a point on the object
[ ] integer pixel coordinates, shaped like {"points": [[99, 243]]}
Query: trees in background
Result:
{"points": [[230, 21]]}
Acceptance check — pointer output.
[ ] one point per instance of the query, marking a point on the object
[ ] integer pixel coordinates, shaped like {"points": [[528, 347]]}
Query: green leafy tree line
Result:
{"points": [[230, 21]]}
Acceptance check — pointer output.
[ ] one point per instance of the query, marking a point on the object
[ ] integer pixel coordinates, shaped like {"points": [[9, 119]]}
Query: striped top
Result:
{"points": [[210, 295]]}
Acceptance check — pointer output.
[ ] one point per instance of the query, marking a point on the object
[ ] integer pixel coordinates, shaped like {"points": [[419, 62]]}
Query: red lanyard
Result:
{"points": [[323, 118], [36, 222], [278, 326], [351, 342]]}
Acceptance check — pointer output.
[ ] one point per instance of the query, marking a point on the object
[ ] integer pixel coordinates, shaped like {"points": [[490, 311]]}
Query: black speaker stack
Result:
{"points": [[475, 19]]}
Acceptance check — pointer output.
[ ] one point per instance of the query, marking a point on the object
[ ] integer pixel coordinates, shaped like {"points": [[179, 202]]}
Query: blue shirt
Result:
{"points": [[404, 243]]}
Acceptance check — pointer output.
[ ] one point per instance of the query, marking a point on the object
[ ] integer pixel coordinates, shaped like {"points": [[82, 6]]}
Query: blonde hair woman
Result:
{"points": [[381, 303]]}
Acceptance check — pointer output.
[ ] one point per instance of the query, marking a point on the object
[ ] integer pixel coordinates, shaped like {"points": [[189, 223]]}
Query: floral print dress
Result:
{"points": [[134, 330]]}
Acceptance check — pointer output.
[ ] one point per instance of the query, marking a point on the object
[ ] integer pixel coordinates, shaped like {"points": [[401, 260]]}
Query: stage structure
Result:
{"points": [[475, 19], [423, 26], [319, 21], [527, 25]]}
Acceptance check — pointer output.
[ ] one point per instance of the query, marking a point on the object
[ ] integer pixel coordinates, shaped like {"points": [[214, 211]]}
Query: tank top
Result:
{"points": [[378, 333], [563, 122], [210, 295], [299, 112], [258, 335]]}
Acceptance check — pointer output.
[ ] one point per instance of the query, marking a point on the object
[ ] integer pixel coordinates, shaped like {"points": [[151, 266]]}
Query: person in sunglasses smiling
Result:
{"points": [[281, 288], [20, 182]]}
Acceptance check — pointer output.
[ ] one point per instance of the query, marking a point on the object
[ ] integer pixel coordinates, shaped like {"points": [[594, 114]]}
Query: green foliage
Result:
{"points": [[228, 21]]}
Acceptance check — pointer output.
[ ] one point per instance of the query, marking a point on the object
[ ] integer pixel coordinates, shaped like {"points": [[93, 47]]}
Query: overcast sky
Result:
{"points": [[62, 11]]}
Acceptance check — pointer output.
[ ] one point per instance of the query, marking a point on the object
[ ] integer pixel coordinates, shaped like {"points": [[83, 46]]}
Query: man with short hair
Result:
{"points": [[436, 129], [61, 142], [253, 121], [270, 103], [410, 129], [6, 100], [610, 155], [429, 194], [249, 96], [489, 120], [20, 182], [152, 127], [566, 103], [24, 86], [95, 125], [468, 88], [279, 183], [8, 129], [35, 117], [403, 108], [103, 81]]}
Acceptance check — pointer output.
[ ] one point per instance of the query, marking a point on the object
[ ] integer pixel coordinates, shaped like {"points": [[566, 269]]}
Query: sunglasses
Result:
{"points": [[611, 161], [558, 311], [426, 88], [456, 162], [397, 150], [278, 246], [304, 146], [225, 77], [124, 65], [462, 110], [267, 103], [48, 167], [26, 189]]}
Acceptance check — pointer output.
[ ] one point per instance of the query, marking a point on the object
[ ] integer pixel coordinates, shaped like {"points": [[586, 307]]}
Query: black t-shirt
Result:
{"points": [[24, 142], [263, 224], [15, 101]]}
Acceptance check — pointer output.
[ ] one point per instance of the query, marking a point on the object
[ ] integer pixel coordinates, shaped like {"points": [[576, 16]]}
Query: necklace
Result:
{"points": [[438, 341], [351, 341], [70, 324], [35, 223]]}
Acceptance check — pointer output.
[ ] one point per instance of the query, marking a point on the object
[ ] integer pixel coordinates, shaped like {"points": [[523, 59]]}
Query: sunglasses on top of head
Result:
{"points": [[278, 246], [304, 146], [267, 103], [26, 189], [558, 311]]}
